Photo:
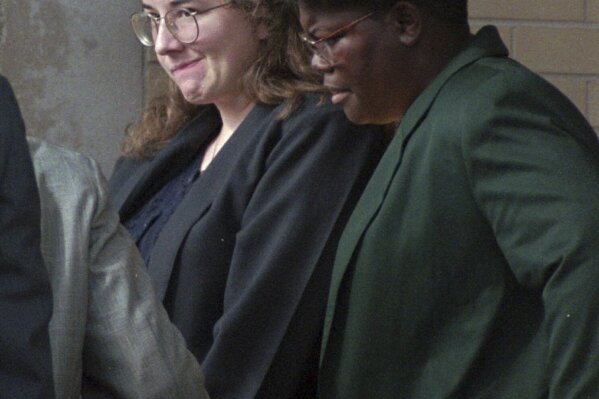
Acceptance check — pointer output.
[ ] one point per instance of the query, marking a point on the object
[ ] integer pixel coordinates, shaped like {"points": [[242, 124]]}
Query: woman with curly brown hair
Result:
{"points": [[235, 185]]}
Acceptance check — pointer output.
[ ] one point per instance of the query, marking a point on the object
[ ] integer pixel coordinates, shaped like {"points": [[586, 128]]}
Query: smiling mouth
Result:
{"points": [[184, 65]]}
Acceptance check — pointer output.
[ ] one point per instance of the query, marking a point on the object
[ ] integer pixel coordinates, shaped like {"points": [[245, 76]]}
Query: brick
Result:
{"points": [[554, 10], [594, 102], [593, 10], [557, 49]]}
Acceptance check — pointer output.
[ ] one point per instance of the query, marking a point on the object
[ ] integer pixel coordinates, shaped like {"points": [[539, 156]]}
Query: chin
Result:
{"points": [[354, 112], [359, 112], [371, 114], [194, 97], [192, 92], [196, 100], [359, 116]]}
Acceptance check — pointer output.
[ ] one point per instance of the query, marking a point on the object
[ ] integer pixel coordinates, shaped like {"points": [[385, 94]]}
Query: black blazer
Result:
{"points": [[25, 295], [243, 264]]}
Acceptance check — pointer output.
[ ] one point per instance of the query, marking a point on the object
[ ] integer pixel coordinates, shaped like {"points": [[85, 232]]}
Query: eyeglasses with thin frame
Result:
{"points": [[180, 22], [323, 47]]}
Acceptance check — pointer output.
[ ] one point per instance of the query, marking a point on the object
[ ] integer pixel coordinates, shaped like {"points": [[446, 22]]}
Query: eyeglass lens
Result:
{"points": [[323, 51], [180, 23], [322, 47]]}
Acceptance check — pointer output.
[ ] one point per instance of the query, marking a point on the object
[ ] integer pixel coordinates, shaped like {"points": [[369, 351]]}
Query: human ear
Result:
{"points": [[406, 19]]}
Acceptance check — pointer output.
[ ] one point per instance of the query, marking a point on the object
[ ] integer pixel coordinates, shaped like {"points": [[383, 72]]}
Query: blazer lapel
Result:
{"points": [[125, 195], [486, 43], [198, 200], [146, 177]]}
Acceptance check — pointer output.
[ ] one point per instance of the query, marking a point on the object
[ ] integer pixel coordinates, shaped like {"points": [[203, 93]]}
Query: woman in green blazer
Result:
{"points": [[470, 265]]}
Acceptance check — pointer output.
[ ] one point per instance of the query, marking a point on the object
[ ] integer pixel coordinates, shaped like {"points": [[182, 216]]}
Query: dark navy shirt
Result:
{"points": [[145, 226]]}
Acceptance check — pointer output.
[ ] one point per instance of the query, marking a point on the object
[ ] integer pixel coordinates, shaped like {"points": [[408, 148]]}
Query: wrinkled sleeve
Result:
{"points": [[534, 172], [131, 349]]}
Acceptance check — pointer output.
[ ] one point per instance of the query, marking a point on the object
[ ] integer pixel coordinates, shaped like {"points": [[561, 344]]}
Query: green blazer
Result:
{"points": [[470, 266]]}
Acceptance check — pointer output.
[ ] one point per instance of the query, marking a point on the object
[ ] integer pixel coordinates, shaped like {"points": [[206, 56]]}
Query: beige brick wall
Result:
{"points": [[556, 38]]}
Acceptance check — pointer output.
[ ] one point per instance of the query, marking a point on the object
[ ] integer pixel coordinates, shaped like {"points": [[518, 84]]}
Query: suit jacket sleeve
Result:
{"points": [[25, 296], [286, 236], [131, 348], [536, 179]]}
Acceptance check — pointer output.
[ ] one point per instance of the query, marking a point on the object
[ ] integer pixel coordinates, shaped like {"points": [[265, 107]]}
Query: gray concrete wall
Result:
{"points": [[76, 68]]}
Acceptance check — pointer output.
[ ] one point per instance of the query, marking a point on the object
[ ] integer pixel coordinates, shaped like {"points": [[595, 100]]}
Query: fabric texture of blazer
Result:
{"points": [[470, 265], [25, 296], [243, 264], [107, 322]]}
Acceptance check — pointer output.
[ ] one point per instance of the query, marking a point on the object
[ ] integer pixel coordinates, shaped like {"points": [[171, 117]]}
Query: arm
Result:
{"points": [[25, 296], [287, 236], [131, 348], [535, 175]]}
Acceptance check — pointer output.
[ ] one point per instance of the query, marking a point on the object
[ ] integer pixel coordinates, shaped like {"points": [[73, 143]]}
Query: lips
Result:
{"points": [[338, 94], [184, 65]]}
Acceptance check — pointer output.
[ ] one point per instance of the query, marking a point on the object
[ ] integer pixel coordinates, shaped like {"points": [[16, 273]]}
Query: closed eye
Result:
{"points": [[188, 12], [153, 16], [331, 41]]}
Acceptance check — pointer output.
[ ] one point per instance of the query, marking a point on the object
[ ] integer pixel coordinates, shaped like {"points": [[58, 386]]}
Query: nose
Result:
{"points": [[165, 41], [319, 63]]}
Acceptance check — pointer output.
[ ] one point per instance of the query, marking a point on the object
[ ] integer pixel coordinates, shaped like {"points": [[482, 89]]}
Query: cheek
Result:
{"points": [[162, 62], [368, 75], [353, 62], [238, 53], [246, 41]]}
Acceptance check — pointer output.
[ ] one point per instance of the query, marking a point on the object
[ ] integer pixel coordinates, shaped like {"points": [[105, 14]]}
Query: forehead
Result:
{"points": [[313, 19], [176, 3]]}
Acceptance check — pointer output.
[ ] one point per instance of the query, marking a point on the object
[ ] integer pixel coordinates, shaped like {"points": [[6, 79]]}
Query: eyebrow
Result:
{"points": [[173, 3], [323, 30], [312, 34], [315, 31]]}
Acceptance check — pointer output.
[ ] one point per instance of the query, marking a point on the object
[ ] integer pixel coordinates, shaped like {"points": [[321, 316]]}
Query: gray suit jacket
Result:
{"points": [[107, 323]]}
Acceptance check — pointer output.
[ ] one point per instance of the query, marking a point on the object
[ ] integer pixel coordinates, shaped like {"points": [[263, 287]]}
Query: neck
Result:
{"points": [[232, 113], [434, 53]]}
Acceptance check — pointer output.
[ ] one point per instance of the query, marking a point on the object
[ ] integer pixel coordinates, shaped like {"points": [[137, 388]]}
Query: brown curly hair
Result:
{"points": [[280, 72]]}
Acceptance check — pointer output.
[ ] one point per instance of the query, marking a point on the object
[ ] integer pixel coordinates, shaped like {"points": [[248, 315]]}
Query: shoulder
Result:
{"points": [[495, 82], [5, 88], [48, 154], [12, 128], [4, 85], [496, 107], [56, 166], [316, 132], [493, 90], [317, 116], [314, 107], [8, 104]]}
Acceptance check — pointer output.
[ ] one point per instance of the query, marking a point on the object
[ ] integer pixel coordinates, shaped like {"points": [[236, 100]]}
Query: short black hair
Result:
{"points": [[451, 11]]}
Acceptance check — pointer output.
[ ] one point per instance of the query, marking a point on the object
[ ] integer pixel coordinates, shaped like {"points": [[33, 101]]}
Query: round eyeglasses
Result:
{"points": [[180, 22], [323, 47]]}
